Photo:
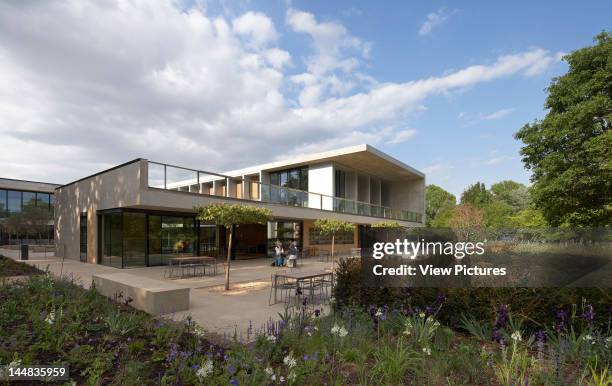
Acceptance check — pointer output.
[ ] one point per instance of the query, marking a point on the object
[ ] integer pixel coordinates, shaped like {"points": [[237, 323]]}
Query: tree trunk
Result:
{"points": [[229, 258]]}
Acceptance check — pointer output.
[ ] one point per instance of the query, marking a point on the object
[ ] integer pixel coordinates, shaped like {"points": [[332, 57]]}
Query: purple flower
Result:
{"points": [[560, 320], [129, 339], [233, 382], [231, 370], [429, 310], [502, 317], [305, 357], [496, 336], [440, 299], [588, 315], [540, 336]]}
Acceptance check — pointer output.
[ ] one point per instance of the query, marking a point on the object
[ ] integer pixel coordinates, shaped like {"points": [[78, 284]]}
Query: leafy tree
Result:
{"points": [[331, 226], [476, 195], [528, 218], [467, 221], [568, 151], [439, 202], [512, 193], [497, 214], [232, 216]]}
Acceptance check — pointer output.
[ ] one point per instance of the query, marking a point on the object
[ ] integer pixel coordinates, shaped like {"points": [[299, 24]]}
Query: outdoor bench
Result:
{"points": [[152, 296]]}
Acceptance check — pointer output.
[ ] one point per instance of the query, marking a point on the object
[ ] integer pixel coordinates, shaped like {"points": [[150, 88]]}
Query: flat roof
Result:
{"points": [[33, 186], [331, 155]]}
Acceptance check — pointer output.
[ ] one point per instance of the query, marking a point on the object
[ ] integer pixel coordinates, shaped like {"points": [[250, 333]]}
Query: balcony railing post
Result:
{"points": [[165, 184]]}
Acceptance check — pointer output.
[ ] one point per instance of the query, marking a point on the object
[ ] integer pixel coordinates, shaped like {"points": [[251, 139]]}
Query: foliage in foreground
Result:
{"points": [[106, 342], [10, 267]]}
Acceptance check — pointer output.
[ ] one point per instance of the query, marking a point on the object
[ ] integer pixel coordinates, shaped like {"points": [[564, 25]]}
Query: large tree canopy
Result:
{"points": [[476, 195], [569, 151], [440, 204], [511, 193]]}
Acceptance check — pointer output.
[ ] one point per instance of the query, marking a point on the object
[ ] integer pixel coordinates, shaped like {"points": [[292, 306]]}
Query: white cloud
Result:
{"points": [[433, 20], [401, 136], [497, 160], [257, 27], [496, 114], [87, 85]]}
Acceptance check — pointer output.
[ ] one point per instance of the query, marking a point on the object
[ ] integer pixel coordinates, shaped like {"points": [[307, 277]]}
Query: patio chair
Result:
{"points": [[282, 284], [324, 255], [321, 286]]}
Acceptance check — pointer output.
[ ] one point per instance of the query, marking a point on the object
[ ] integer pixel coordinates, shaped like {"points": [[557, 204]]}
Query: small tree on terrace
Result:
{"points": [[231, 216], [331, 226]]}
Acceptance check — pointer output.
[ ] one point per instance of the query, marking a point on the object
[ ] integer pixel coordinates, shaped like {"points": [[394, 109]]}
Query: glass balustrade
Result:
{"points": [[162, 176]]}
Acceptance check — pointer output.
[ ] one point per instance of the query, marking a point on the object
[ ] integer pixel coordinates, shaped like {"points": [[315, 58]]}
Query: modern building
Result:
{"points": [[20, 197], [142, 212]]}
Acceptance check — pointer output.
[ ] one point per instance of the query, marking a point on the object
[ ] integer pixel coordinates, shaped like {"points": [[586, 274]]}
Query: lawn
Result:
{"points": [[105, 341]]}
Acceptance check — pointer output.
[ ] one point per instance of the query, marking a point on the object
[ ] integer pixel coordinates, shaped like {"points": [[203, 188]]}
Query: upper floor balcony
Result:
{"points": [[250, 188]]}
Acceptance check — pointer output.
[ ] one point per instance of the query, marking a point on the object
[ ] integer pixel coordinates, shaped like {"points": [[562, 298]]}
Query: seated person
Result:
{"points": [[292, 254]]}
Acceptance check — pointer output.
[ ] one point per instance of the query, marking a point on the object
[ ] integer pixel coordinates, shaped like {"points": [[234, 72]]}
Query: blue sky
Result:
{"points": [[442, 86]]}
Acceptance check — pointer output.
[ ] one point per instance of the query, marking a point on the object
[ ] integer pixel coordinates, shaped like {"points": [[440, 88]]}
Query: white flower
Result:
{"points": [[378, 313], [271, 338], [436, 324], [587, 338], [292, 375], [335, 329], [289, 361], [316, 328], [50, 317], [516, 336], [270, 372], [282, 379], [206, 369], [422, 315], [427, 350], [332, 300], [339, 331], [198, 331]]}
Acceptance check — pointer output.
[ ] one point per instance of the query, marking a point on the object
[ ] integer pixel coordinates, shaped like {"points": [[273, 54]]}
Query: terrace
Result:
{"points": [[250, 188]]}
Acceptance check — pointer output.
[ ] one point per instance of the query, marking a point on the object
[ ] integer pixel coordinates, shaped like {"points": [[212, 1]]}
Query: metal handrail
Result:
{"points": [[359, 207]]}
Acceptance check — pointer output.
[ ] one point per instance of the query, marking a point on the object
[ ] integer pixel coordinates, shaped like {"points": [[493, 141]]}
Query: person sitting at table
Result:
{"points": [[292, 253], [278, 254]]}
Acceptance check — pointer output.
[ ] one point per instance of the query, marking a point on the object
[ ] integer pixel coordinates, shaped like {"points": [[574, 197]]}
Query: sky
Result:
{"points": [[221, 85]]}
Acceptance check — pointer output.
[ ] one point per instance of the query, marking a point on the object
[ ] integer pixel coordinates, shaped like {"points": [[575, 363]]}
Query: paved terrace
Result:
{"points": [[210, 306]]}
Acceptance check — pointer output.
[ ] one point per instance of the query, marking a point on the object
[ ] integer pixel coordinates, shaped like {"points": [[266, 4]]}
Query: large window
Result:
{"points": [[3, 210], [291, 178], [112, 239], [83, 237], [134, 239], [316, 238], [170, 236], [285, 232], [14, 201]]}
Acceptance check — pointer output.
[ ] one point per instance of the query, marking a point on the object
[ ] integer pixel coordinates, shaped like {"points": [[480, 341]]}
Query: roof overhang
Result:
{"points": [[364, 158]]}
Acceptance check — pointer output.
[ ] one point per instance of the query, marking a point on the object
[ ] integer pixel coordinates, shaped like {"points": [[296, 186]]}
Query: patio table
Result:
{"points": [[192, 261], [302, 277]]}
